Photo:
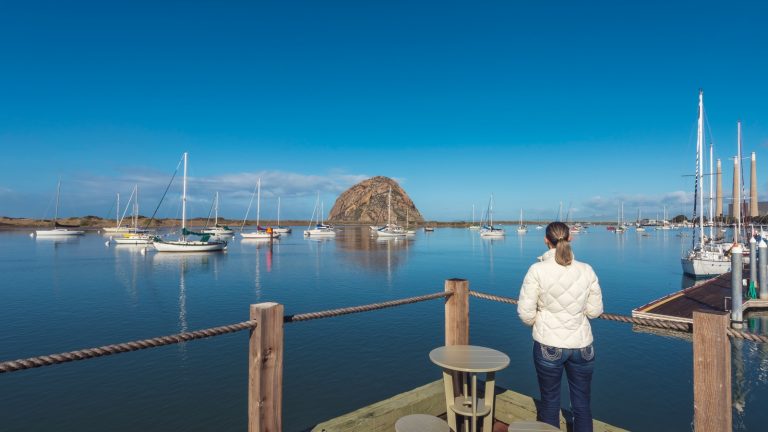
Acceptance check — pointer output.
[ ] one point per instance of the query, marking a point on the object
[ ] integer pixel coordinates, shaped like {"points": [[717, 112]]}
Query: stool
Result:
{"points": [[421, 423], [531, 426]]}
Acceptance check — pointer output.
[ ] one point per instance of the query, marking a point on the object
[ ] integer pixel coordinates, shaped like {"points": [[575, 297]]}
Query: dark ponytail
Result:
{"points": [[558, 235]]}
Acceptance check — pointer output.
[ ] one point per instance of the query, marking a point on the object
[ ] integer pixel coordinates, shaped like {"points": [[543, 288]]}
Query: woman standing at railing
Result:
{"points": [[558, 297]]}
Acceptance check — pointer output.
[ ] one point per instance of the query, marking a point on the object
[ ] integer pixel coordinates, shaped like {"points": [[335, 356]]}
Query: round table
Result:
{"points": [[421, 423], [464, 362]]}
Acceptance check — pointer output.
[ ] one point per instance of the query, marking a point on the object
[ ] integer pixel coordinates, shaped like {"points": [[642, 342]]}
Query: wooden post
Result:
{"points": [[456, 333], [711, 372], [265, 369], [457, 312]]}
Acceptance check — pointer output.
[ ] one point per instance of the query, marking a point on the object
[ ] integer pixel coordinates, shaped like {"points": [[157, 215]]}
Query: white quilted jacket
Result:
{"points": [[558, 302]]}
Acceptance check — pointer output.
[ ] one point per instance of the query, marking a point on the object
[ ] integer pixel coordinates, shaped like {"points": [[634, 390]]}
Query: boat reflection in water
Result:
{"points": [[375, 253]]}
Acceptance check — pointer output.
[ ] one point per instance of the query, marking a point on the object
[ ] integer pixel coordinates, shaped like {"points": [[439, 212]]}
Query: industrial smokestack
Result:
{"points": [[753, 213], [736, 212], [719, 193]]}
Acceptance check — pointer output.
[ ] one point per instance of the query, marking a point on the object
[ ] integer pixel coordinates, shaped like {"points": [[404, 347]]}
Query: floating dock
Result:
{"points": [[712, 295]]}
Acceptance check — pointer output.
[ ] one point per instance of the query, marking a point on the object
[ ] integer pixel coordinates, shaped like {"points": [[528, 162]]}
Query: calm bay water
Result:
{"points": [[63, 295]]}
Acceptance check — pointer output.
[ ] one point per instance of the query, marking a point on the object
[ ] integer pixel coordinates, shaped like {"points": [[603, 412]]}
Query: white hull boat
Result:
{"points": [[134, 239], [703, 263], [189, 246], [282, 230], [182, 244], [264, 235], [59, 232], [113, 230], [320, 232], [492, 232]]}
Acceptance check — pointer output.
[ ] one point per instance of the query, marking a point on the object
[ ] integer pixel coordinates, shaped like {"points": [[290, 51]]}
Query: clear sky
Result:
{"points": [[537, 102]]}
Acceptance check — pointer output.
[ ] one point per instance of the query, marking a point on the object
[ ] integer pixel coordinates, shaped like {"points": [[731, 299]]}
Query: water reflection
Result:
{"points": [[376, 253], [136, 256]]}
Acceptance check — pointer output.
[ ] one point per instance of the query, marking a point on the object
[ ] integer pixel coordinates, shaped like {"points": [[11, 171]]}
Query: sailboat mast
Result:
{"points": [[490, 212], [56, 212], [711, 192], [389, 207], [136, 209], [473, 214], [737, 188], [117, 211], [184, 199], [699, 152], [216, 211], [278, 211], [258, 203]]}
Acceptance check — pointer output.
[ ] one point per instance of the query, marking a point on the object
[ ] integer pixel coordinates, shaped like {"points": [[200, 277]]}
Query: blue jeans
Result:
{"points": [[578, 364]]}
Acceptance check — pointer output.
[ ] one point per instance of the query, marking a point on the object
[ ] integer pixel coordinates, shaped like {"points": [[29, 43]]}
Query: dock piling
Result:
{"points": [[752, 260], [265, 369], [763, 269], [737, 285], [456, 333], [711, 372]]}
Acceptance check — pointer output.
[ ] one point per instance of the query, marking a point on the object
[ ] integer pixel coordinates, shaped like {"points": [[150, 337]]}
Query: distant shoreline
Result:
{"points": [[96, 223]]}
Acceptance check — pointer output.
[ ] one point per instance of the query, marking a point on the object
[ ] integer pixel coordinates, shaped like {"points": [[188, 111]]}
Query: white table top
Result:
{"points": [[469, 358]]}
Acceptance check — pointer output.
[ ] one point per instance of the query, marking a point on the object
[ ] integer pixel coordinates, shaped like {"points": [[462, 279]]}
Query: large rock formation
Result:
{"points": [[366, 203]]}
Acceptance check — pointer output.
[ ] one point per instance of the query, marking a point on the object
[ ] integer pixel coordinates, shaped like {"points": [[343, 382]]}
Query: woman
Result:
{"points": [[558, 296]]}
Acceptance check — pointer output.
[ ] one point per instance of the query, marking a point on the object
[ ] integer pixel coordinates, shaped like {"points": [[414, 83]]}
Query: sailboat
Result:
{"points": [[522, 228], [260, 233], [407, 225], [118, 220], [390, 230], [473, 226], [320, 229], [489, 230], [279, 228], [205, 244], [620, 228], [704, 259], [58, 230], [216, 229], [135, 235]]}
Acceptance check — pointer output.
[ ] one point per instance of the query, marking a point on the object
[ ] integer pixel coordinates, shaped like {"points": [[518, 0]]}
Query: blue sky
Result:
{"points": [[588, 104]]}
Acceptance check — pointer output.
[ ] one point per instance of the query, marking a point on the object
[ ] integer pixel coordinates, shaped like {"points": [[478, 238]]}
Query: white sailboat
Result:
{"points": [[489, 230], [216, 229], [704, 259], [521, 229], [473, 226], [279, 228], [135, 235], [260, 233], [320, 229], [390, 230], [118, 220], [58, 230], [620, 228], [205, 244]]}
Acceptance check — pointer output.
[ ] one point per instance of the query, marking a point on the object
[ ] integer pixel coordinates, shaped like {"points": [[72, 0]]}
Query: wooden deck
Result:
{"points": [[712, 294]]}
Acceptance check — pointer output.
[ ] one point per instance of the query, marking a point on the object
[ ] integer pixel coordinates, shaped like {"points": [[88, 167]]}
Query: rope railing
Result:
{"points": [[363, 308], [89, 353], [656, 323]]}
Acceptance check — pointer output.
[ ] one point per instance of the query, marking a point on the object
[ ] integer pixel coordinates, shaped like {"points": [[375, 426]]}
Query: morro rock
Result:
{"points": [[366, 203]]}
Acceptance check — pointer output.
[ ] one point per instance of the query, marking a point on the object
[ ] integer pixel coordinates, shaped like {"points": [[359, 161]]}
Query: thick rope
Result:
{"points": [[668, 325], [363, 308], [662, 324], [83, 354], [740, 334]]}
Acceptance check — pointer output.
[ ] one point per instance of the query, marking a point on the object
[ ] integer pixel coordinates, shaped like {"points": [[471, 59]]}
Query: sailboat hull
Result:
{"points": [[260, 235], [492, 233], [189, 246], [702, 267], [320, 232], [59, 232]]}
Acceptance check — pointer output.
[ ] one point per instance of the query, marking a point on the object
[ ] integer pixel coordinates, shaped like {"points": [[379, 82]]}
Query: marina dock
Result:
{"points": [[710, 295]]}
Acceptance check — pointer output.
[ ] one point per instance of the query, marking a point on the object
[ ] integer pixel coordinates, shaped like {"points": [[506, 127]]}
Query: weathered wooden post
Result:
{"points": [[711, 372], [265, 369], [457, 312], [456, 333]]}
